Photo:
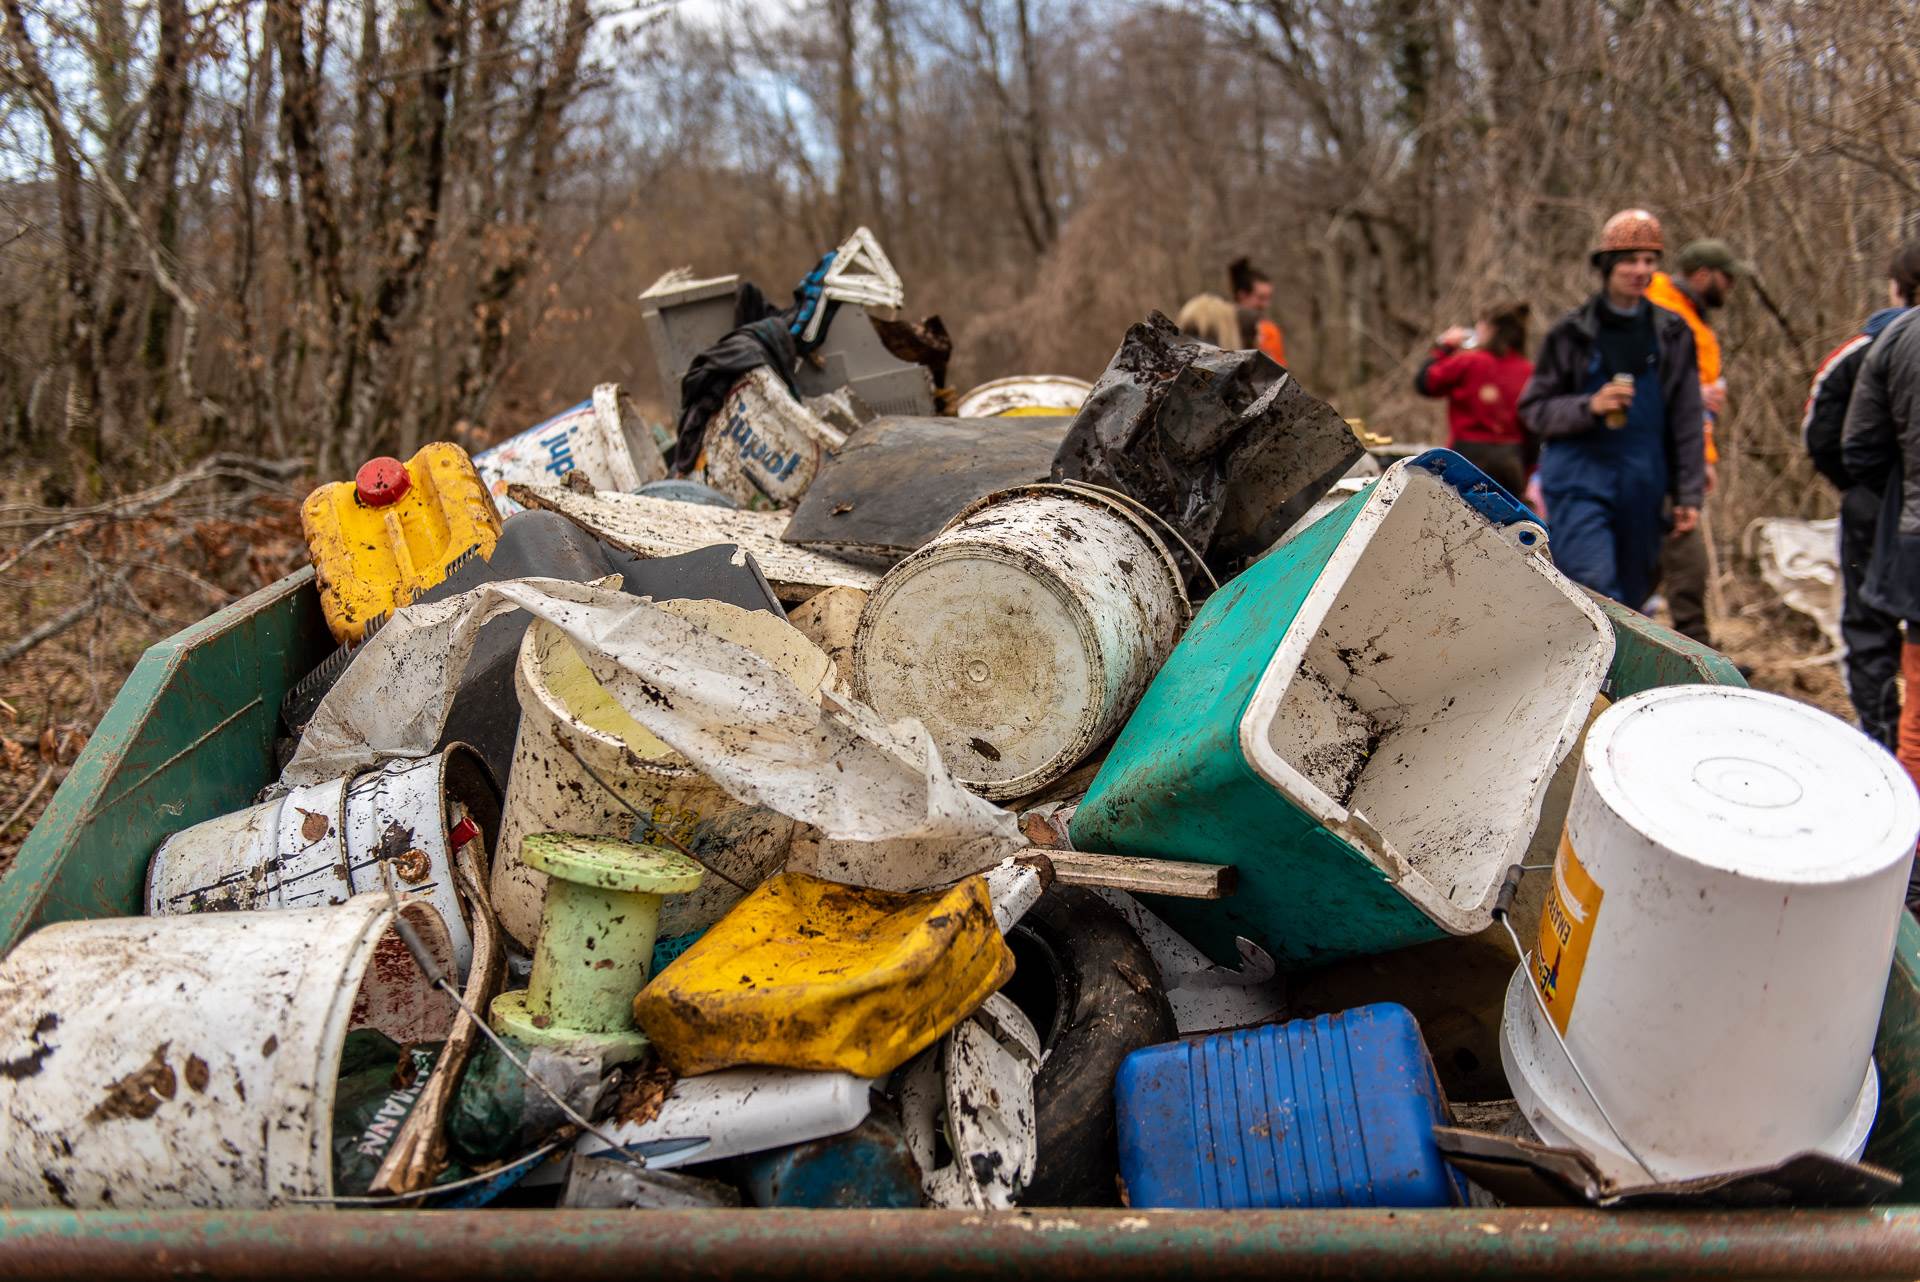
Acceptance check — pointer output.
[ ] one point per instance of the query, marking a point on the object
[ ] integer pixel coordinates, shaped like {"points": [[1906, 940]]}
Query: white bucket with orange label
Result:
{"points": [[1715, 944]]}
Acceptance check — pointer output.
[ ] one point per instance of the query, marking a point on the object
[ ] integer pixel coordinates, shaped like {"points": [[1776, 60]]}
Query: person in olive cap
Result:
{"points": [[1615, 399], [1708, 272]]}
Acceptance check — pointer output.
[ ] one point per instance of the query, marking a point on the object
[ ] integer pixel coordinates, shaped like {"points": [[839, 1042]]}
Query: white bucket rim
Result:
{"points": [[1540, 1078], [1093, 497], [565, 722], [969, 404], [1901, 806]]}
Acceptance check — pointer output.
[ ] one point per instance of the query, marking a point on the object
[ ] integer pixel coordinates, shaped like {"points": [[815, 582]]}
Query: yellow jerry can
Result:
{"points": [[805, 973], [394, 531]]}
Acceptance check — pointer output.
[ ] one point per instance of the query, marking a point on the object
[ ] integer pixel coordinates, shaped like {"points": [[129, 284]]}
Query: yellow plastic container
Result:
{"points": [[394, 531], [811, 974]]}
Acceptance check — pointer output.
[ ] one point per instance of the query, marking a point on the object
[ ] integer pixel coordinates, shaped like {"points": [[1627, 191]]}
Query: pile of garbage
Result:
{"points": [[1116, 794]]}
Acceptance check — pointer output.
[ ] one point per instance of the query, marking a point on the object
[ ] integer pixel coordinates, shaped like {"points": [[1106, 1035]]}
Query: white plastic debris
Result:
{"points": [[1800, 561], [976, 1085], [835, 765]]}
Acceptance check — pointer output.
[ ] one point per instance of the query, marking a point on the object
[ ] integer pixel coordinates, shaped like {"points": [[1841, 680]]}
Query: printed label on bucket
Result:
{"points": [[1566, 928]]}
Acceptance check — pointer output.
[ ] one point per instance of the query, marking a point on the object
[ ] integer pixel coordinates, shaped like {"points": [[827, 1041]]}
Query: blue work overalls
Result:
{"points": [[1606, 492]]}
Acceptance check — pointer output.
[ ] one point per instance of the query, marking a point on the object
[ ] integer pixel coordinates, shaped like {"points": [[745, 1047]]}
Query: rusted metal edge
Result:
{"points": [[1048, 1246]]}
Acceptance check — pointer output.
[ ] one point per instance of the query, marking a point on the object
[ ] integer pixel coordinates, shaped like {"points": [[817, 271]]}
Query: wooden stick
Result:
{"points": [[1144, 876]]}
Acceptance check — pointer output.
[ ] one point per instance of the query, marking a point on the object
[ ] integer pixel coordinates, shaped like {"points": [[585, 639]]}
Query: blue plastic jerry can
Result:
{"points": [[1333, 1111]]}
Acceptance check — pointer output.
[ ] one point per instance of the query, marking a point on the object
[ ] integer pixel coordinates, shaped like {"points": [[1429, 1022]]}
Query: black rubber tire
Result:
{"points": [[1090, 986]]}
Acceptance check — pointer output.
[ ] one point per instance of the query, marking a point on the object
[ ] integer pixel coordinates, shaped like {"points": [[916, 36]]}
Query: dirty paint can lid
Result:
{"points": [[381, 482]]}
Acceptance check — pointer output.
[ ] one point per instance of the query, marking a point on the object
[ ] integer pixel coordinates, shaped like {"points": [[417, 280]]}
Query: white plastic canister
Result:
{"points": [[1023, 634], [763, 447], [604, 437], [1716, 941], [571, 730], [190, 1061]]}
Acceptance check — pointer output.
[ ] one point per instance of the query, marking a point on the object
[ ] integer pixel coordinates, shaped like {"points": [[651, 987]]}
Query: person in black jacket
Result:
{"points": [[1615, 397], [1881, 437], [1871, 635]]}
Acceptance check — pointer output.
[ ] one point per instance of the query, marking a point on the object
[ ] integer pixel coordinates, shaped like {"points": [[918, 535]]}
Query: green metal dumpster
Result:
{"points": [[190, 736]]}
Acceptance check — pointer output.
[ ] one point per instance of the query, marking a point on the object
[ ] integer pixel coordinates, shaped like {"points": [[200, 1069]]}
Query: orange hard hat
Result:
{"points": [[1628, 231]]}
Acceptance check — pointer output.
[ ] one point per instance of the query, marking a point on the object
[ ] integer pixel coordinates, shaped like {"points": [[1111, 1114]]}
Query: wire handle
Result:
{"points": [[1503, 913]]}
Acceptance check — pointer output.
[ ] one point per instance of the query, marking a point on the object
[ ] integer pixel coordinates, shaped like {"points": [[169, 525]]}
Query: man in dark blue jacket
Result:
{"points": [[1615, 397], [1881, 438], [1872, 636]]}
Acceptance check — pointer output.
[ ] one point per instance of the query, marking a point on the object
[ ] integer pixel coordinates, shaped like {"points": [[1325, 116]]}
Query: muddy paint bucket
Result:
{"points": [[1025, 395], [1716, 941], [604, 438], [178, 1062], [1022, 634], [323, 843], [571, 729], [763, 448]]}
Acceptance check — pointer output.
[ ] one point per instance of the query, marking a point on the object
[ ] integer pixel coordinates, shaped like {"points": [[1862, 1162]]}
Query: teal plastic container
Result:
{"points": [[1364, 723]]}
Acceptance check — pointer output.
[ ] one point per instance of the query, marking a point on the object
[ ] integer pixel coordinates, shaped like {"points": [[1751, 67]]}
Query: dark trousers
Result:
{"points": [[1683, 580], [1506, 464], [1873, 639]]}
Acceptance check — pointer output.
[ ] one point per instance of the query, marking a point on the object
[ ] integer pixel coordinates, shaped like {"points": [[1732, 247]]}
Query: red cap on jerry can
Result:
{"points": [[381, 481]]}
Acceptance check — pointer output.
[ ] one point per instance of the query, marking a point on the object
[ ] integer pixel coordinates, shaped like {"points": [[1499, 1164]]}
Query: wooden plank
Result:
{"points": [[1144, 876], [653, 527]]}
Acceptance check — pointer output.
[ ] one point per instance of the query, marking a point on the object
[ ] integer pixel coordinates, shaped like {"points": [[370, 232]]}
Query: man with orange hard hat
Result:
{"points": [[1615, 398]]}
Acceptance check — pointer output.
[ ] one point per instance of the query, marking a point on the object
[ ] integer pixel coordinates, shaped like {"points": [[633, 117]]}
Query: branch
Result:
{"points": [[214, 467], [60, 623], [156, 259]]}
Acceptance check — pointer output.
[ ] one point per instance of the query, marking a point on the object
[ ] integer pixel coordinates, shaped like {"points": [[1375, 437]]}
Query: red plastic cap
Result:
{"points": [[382, 481]]}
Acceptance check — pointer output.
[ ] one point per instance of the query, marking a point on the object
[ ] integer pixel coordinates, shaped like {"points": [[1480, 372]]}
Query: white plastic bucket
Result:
{"points": [[323, 843], [762, 447], [1023, 634], [1716, 942], [1025, 394], [567, 718], [603, 437], [172, 1062]]}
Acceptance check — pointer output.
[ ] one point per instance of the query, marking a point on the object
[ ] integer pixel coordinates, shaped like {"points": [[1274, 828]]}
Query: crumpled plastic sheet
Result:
{"points": [[1800, 561], [837, 766]]}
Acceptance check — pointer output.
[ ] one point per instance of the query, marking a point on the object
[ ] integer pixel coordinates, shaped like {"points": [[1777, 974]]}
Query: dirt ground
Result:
{"points": [[126, 581], [216, 542]]}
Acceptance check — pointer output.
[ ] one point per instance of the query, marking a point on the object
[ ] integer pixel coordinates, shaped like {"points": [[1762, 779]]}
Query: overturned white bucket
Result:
{"points": [[1716, 942], [1022, 634], [572, 730], [173, 1062]]}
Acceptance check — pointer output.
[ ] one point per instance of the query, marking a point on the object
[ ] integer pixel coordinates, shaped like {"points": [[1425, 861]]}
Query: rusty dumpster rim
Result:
{"points": [[1048, 1245]]}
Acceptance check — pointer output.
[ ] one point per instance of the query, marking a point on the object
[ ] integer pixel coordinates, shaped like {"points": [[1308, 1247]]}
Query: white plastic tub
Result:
{"points": [[1716, 943], [572, 730]]}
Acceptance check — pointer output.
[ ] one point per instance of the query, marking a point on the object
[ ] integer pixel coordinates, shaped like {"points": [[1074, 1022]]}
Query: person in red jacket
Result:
{"points": [[1481, 373]]}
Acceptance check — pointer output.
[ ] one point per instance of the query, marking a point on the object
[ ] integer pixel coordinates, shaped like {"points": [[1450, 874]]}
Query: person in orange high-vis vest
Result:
{"points": [[1707, 274], [1253, 295]]}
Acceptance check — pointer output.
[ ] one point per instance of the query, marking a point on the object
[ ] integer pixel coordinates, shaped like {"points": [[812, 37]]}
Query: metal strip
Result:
{"points": [[1046, 1246]]}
